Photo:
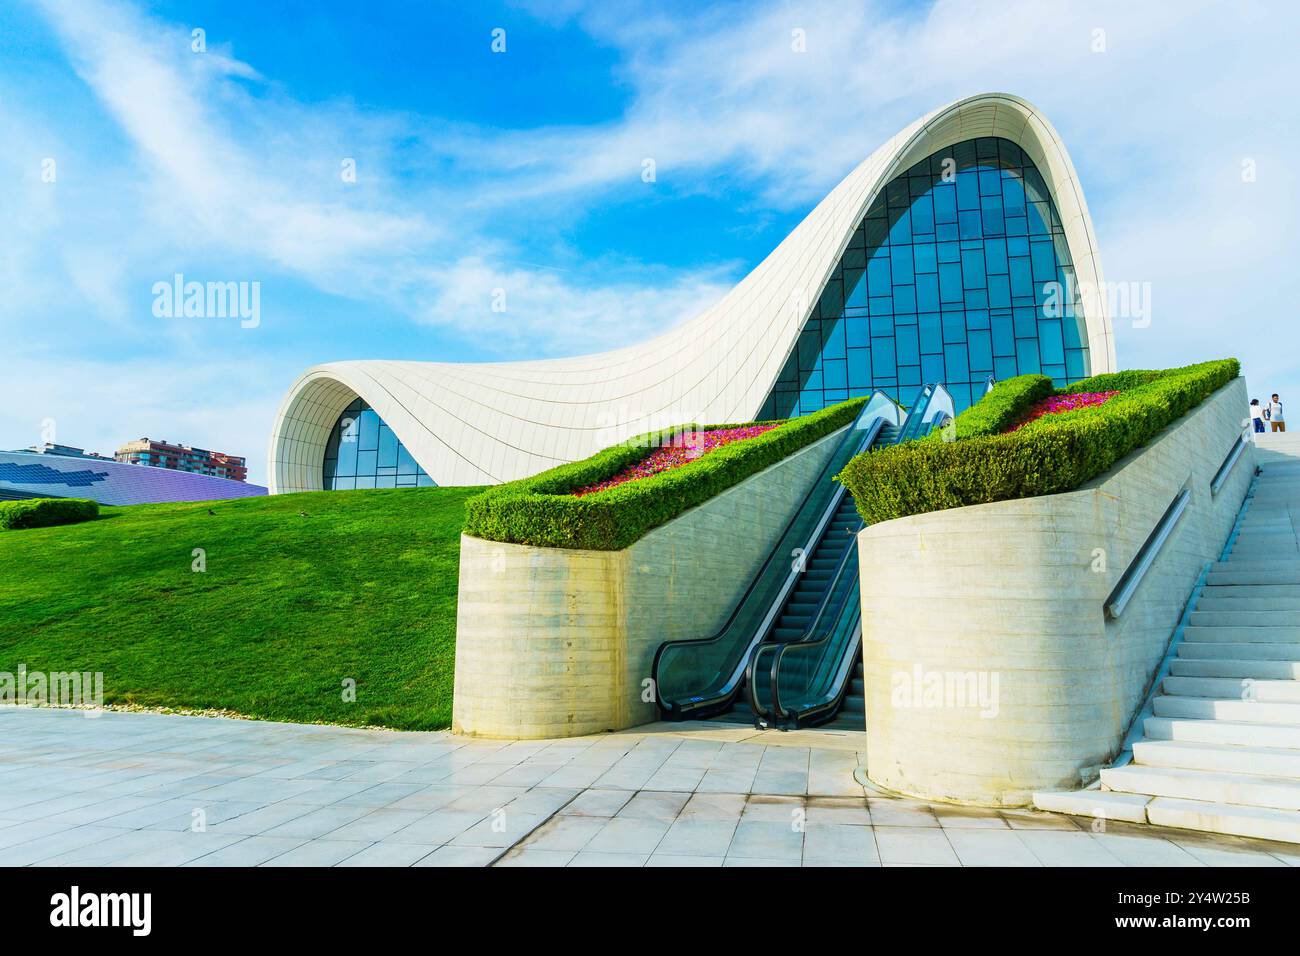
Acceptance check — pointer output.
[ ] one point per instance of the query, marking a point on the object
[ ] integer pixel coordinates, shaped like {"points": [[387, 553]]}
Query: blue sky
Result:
{"points": [[522, 170]]}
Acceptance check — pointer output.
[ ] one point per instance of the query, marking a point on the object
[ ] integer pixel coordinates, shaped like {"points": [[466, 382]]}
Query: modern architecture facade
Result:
{"points": [[960, 250], [29, 474], [198, 461]]}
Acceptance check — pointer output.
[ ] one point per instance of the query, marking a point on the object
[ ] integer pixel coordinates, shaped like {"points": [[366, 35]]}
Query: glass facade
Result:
{"points": [[363, 452], [957, 272]]}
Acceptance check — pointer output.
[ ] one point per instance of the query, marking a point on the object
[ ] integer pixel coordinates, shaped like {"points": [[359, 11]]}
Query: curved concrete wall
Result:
{"points": [[1007, 599], [556, 643], [492, 422]]}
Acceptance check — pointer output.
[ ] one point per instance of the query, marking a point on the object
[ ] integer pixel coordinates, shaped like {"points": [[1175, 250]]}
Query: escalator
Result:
{"points": [[795, 595], [815, 678]]}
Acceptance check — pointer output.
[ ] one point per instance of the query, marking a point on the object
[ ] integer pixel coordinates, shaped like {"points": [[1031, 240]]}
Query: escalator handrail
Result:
{"points": [[873, 430], [850, 552], [778, 711]]}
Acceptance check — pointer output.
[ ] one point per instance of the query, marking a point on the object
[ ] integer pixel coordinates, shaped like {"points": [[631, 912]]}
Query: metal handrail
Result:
{"points": [[1146, 556], [1229, 462]]}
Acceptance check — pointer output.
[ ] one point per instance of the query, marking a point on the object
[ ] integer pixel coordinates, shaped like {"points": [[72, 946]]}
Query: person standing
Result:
{"points": [[1275, 415], [1256, 415]]}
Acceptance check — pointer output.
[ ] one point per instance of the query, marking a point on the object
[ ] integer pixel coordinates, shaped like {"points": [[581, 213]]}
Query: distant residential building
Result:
{"points": [[66, 451], [198, 461]]}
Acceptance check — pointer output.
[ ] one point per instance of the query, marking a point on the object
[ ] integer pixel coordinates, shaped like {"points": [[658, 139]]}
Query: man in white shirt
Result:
{"points": [[1275, 415]]}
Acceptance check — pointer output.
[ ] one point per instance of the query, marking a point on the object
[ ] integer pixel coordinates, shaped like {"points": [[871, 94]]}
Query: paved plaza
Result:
{"points": [[140, 789]]}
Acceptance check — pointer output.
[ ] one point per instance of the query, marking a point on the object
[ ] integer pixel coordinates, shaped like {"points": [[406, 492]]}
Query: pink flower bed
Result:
{"points": [[1064, 403], [684, 448]]}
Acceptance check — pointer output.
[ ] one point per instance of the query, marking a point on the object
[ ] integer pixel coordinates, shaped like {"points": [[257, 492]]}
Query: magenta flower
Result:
{"points": [[681, 449], [1057, 404]]}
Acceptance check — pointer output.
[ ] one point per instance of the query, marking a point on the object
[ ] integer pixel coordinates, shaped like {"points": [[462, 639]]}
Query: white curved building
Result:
{"points": [[941, 257]]}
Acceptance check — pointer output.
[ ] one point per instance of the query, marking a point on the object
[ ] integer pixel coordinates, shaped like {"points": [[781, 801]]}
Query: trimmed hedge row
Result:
{"points": [[540, 511], [1054, 454], [46, 512], [1001, 408]]}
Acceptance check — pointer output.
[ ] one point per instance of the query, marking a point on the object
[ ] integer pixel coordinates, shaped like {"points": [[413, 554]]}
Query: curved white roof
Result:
{"points": [[490, 422]]}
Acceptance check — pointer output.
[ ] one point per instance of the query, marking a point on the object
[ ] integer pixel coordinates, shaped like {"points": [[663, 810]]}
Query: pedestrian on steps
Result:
{"points": [[1275, 415], [1256, 415]]}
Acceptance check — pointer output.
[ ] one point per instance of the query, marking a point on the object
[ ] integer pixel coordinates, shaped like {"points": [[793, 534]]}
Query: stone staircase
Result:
{"points": [[1222, 751]]}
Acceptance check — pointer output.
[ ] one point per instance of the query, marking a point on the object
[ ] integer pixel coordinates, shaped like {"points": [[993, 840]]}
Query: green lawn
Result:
{"points": [[363, 587]]}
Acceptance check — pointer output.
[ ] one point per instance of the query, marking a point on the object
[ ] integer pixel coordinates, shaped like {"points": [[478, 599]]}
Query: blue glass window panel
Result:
{"points": [[882, 324], [990, 183], [957, 362], [995, 256], [901, 230], [367, 431], [976, 299], [948, 252], [832, 300], [425, 481], [1017, 246], [1054, 371], [883, 363], [907, 345], [925, 257], [945, 231], [345, 484], [909, 376], [857, 331], [980, 345], [972, 268], [1073, 333], [1013, 197], [999, 292], [367, 462], [1004, 335], [954, 327], [931, 331], [387, 448], [1027, 354], [1039, 221], [365, 481], [833, 334], [970, 224], [968, 192], [405, 463], [927, 293], [904, 299], [878, 279], [884, 305], [386, 481], [977, 319], [1022, 280], [1026, 322], [950, 289], [1051, 347], [932, 368], [834, 375], [1005, 368], [1043, 257], [854, 261], [900, 265], [923, 216], [347, 449], [1076, 366], [945, 205]]}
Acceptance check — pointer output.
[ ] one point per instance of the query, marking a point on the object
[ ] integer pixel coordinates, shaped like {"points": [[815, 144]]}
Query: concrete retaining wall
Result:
{"points": [[553, 642], [1008, 597]]}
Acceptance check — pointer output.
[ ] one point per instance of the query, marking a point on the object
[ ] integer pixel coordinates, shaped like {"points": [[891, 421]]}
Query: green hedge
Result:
{"points": [[541, 511], [44, 512], [1008, 402], [1054, 454]]}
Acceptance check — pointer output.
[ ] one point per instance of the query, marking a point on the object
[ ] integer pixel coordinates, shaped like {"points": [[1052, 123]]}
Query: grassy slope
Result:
{"points": [[363, 587]]}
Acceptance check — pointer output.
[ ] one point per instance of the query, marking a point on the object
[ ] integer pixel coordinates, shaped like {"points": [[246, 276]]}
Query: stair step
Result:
{"points": [[1259, 822], [1254, 577], [1237, 733], [1270, 618], [1237, 650], [1235, 562], [1100, 804], [1263, 602], [1264, 635], [1221, 758], [1235, 788], [1230, 667], [1228, 688], [1208, 708]]}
